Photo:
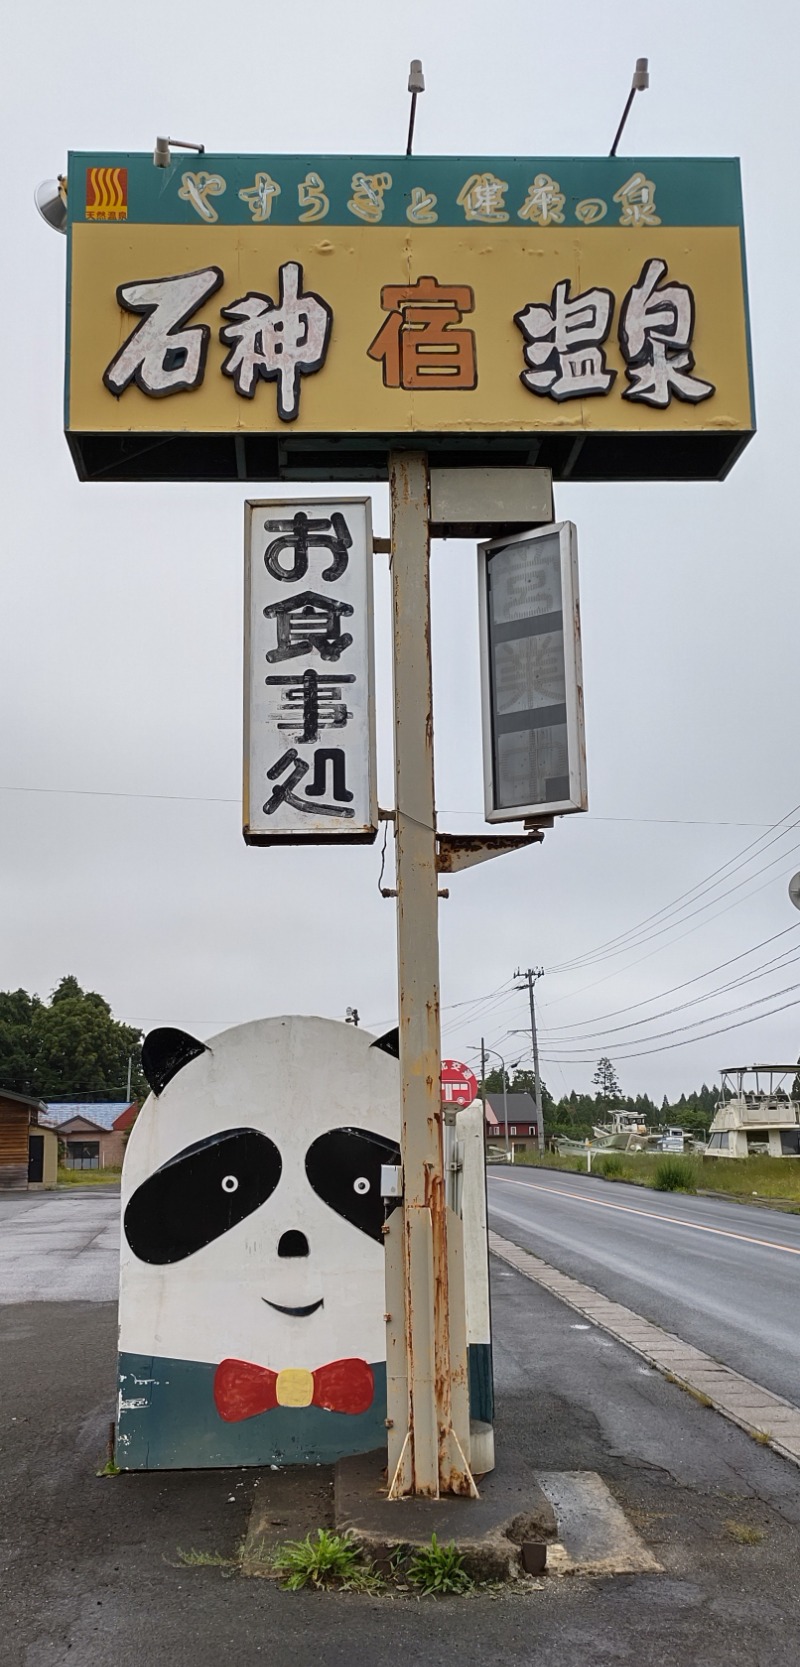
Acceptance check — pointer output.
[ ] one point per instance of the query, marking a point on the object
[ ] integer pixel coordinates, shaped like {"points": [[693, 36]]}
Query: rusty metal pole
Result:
{"points": [[427, 1455]]}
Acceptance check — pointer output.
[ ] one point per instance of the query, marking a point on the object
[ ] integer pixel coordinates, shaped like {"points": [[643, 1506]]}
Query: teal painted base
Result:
{"points": [[168, 1420]]}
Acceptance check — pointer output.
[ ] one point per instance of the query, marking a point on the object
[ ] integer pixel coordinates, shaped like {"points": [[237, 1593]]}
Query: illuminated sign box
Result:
{"points": [[279, 317], [534, 746]]}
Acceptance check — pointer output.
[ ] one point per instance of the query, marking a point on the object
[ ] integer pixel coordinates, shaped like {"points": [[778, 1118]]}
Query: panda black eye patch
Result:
{"points": [[202, 1192], [344, 1168]]}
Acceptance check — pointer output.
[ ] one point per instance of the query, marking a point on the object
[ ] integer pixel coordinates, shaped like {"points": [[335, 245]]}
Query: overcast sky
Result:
{"points": [[121, 856]]}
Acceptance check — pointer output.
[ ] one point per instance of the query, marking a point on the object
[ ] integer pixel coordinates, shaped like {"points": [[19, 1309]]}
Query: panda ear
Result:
{"points": [[164, 1054], [389, 1043]]}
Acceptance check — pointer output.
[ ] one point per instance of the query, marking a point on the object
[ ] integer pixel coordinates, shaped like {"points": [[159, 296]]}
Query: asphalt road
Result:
{"points": [[60, 1246], [91, 1571], [724, 1276]]}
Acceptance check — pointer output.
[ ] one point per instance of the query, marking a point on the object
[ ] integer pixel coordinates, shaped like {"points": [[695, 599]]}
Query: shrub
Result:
{"points": [[675, 1174]]}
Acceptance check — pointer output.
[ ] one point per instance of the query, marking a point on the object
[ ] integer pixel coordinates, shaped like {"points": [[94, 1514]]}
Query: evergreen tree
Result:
{"points": [[606, 1081]]}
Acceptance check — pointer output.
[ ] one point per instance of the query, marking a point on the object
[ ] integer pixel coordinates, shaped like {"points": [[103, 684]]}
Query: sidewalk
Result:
{"points": [[93, 1576]]}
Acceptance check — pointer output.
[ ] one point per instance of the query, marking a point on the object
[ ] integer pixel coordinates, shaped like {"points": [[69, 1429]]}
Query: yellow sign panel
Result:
{"points": [[410, 330]]}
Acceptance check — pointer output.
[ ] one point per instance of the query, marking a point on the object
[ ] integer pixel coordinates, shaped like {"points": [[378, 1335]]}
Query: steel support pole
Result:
{"points": [[428, 1456]]}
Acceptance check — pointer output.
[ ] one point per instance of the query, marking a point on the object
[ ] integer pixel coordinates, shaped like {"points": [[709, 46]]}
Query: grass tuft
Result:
{"points": [[610, 1164], [87, 1177], [329, 1560], [699, 1396], [435, 1569], [743, 1534], [674, 1174], [746, 1178], [763, 1437], [205, 1560]]}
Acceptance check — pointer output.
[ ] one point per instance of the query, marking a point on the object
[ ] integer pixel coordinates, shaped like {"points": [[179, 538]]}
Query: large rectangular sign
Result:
{"points": [[277, 317], [309, 705], [532, 683]]}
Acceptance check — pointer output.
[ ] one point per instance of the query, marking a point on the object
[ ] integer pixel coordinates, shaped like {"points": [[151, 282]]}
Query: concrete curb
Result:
{"points": [[768, 1418]]}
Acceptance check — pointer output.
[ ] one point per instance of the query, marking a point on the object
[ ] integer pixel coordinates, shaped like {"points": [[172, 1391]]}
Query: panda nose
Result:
{"points": [[293, 1244]]}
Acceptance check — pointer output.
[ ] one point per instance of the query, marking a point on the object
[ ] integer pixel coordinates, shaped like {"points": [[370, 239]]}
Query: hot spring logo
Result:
{"points": [[106, 193]]}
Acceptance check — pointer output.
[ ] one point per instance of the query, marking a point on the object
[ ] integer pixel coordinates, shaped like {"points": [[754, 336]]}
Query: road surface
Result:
{"points": [[724, 1276]]}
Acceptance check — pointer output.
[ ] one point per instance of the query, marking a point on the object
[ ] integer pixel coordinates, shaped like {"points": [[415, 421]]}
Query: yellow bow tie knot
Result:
{"points": [[294, 1387]]}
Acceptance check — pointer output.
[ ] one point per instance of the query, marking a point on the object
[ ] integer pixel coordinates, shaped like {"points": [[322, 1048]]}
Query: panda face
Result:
{"points": [[252, 1204], [212, 1186]]}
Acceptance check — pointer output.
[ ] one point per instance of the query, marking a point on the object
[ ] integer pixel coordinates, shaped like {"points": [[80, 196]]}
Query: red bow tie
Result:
{"points": [[242, 1390]]}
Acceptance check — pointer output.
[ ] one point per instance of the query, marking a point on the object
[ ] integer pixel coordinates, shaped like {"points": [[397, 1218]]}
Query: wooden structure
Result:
{"points": [[19, 1115]]}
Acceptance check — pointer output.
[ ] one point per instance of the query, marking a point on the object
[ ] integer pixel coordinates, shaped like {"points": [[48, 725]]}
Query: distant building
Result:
{"points": [[92, 1136], [28, 1148], [522, 1130]]}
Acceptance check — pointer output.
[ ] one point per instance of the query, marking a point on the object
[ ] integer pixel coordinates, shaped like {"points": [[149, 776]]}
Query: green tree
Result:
{"points": [[524, 1082], [606, 1081], [69, 1047]]}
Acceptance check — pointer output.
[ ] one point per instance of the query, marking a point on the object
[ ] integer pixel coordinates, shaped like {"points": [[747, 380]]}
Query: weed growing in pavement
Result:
{"points": [[205, 1560], [699, 1396], [436, 1568], [743, 1534], [675, 1175], [110, 1468], [763, 1437], [324, 1561]]}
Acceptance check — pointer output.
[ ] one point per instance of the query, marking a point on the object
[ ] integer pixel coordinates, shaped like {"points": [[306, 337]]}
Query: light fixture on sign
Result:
{"points": [[639, 84], [161, 154], [51, 200], [416, 85]]}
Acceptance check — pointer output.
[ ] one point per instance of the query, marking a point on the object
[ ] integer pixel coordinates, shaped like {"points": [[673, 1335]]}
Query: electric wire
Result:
{"points": [[739, 860], [676, 1030], [776, 962], [667, 1047], [598, 1018]]}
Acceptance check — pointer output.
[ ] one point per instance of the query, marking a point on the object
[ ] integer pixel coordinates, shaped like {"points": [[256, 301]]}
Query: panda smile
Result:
{"points": [[297, 1313]]}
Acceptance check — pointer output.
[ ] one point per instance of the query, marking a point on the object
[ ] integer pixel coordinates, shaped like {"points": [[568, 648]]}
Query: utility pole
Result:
{"points": [[531, 975], [429, 1422], [483, 1083]]}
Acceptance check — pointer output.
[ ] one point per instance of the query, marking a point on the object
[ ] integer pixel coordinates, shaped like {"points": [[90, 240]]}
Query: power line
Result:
{"points": [[678, 1030], [212, 799], [570, 996], [669, 1046], [733, 864], [755, 972]]}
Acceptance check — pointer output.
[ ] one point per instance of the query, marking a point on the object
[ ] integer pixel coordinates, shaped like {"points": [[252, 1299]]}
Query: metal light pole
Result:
{"points": [[484, 1051], [429, 1414]]}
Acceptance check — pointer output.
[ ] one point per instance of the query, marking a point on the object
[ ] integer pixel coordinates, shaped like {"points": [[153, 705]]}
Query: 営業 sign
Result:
{"points": [[534, 747], [309, 746], [268, 317]]}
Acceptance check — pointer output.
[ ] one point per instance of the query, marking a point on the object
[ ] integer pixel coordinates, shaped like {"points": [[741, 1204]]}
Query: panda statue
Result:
{"points": [[251, 1314]]}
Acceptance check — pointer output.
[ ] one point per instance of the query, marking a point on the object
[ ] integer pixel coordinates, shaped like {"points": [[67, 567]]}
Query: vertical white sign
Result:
{"points": [[309, 705], [532, 685]]}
